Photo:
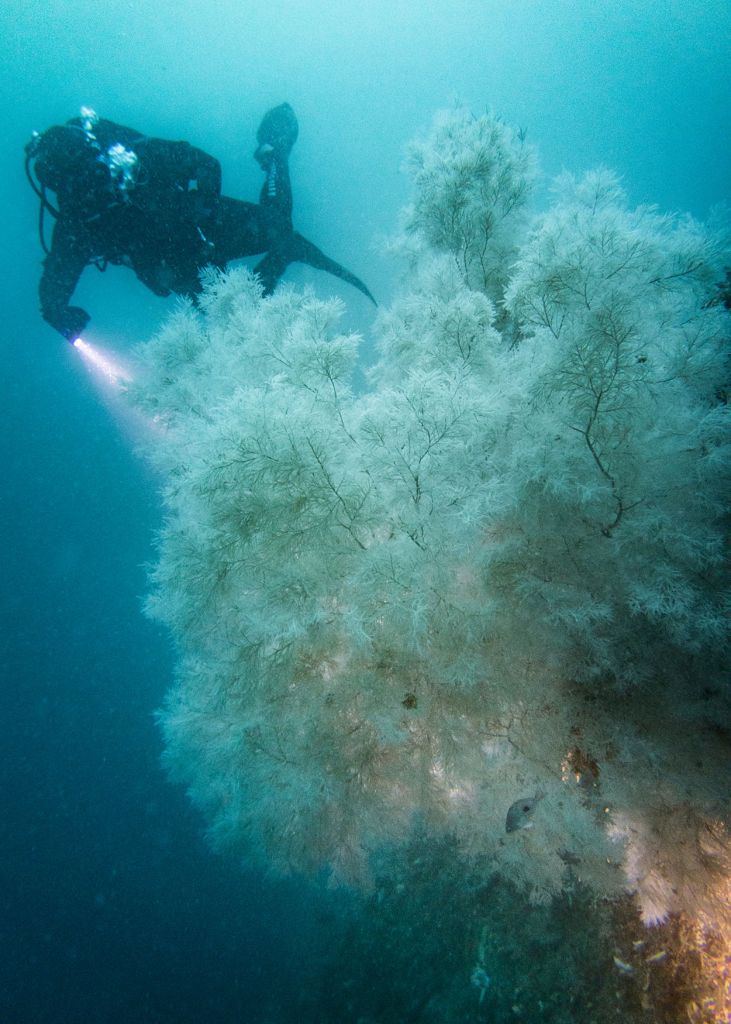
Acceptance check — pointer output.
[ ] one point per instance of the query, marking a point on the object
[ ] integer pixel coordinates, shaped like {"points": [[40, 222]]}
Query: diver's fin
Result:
{"points": [[314, 257], [279, 129], [271, 267], [298, 250]]}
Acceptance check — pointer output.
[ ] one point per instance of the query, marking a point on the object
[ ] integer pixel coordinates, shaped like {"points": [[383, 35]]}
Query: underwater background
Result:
{"points": [[112, 906]]}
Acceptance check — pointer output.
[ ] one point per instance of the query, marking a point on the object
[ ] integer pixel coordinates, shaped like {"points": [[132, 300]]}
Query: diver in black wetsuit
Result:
{"points": [[156, 206]]}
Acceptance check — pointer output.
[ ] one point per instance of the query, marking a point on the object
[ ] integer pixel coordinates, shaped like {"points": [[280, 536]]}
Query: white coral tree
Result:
{"points": [[496, 574]]}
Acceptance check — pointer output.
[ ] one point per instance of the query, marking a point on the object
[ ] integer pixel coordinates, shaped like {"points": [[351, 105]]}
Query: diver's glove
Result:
{"points": [[72, 322]]}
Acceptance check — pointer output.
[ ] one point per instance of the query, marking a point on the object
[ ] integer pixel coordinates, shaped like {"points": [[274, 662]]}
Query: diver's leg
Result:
{"points": [[240, 231], [276, 135], [275, 197], [247, 229]]}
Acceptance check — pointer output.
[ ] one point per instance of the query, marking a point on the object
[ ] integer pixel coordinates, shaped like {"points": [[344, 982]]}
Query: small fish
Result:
{"points": [[656, 958], [622, 966], [520, 813]]}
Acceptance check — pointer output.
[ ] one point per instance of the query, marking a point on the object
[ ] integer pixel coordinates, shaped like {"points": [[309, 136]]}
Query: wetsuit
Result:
{"points": [[156, 207], [156, 225]]}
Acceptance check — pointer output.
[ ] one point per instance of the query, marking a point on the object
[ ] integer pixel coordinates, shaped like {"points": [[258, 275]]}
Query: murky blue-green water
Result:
{"points": [[112, 908]]}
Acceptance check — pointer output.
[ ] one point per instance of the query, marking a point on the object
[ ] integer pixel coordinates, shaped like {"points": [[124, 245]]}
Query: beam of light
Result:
{"points": [[111, 379], [103, 365]]}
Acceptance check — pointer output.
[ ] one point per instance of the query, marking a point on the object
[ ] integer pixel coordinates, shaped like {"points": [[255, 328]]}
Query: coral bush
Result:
{"points": [[496, 575], [473, 178]]}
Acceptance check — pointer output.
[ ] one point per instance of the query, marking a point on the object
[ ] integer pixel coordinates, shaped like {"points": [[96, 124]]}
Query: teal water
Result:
{"points": [[112, 906]]}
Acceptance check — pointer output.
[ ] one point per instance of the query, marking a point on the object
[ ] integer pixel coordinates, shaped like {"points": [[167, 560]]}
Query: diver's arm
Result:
{"points": [[62, 269]]}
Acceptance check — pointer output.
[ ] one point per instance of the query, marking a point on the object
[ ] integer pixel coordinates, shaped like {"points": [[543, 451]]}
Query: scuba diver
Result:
{"points": [[156, 206]]}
